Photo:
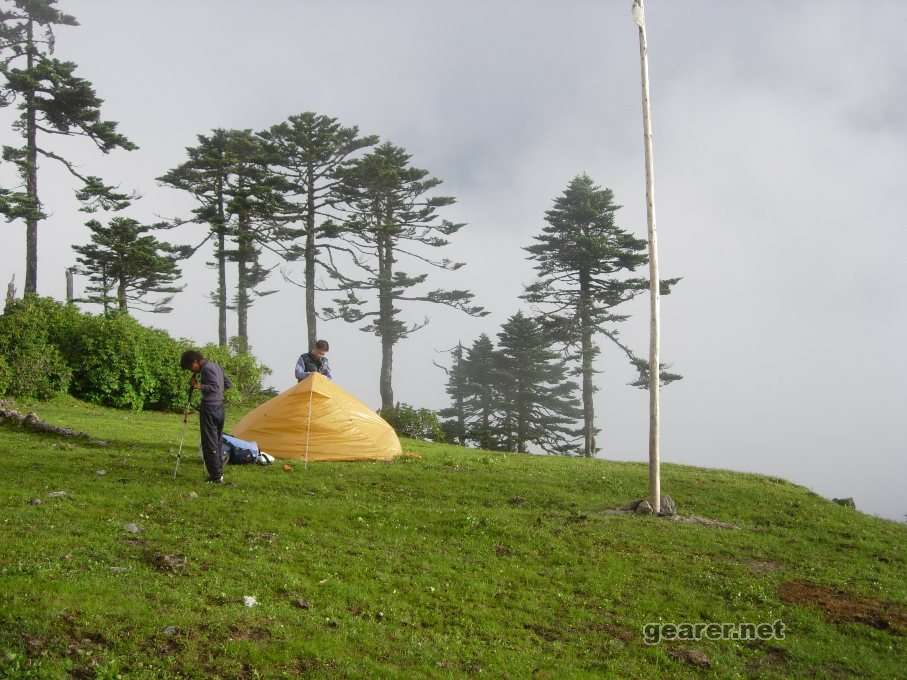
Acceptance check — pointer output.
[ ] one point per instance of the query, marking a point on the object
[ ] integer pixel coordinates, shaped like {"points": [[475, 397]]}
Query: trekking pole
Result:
{"points": [[179, 452]]}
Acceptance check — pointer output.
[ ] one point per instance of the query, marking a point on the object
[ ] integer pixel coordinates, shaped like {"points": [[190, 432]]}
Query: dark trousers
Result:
{"points": [[211, 423]]}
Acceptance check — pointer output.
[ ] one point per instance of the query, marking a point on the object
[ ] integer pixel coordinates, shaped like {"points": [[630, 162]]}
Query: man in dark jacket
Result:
{"points": [[314, 361], [210, 380]]}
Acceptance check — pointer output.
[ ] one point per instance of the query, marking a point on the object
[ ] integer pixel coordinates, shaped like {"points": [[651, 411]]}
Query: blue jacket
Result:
{"points": [[212, 383]]}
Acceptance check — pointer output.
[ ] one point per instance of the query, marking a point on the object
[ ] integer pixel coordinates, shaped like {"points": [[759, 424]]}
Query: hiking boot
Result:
{"points": [[219, 480]]}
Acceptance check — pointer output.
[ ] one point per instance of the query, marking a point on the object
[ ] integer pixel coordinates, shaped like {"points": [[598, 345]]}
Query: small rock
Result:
{"points": [[643, 508], [379, 616], [249, 601], [57, 494], [119, 570], [170, 630], [192, 494], [132, 528], [100, 473], [632, 505], [668, 507], [35, 501], [302, 604], [846, 502]]}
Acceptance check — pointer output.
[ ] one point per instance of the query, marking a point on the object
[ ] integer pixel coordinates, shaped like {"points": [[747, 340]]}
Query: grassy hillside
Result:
{"points": [[455, 563]]}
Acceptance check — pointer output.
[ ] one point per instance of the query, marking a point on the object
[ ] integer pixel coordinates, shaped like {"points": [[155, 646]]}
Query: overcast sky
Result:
{"points": [[780, 163]]}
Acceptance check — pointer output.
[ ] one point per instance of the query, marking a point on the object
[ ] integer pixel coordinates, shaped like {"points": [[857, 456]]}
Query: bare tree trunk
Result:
{"points": [[11, 292], [654, 293], [461, 413], [310, 315], [520, 434], [31, 180], [221, 266], [386, 321], [70, 286], [485, 439], [122, 305], [586, 342], [242, 292], [105, 283]]}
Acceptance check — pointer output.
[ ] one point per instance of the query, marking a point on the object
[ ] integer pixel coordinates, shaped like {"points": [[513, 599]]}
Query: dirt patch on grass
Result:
{"points": [[169, 564], [682, 519], [772, 660], [249, 633], [763, 566], [693, 657], [614, 631], [842, 607]]}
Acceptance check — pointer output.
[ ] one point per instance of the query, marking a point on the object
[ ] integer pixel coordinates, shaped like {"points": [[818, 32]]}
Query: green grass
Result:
{"points": [[461, 562]]}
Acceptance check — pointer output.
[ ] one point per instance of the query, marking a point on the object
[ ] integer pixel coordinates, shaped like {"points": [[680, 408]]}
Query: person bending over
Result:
{"points": [[209, 378], [314, 361]]}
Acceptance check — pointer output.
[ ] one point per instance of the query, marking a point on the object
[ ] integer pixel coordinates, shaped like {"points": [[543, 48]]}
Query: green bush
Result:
{"points": [[421, 423], [5, 376], [244, 370], [118, 362], [38, 372], [111, 360], [31, 332]]}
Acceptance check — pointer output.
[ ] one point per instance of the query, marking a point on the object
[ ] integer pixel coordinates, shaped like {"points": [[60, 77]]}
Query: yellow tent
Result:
{"points": [[317, 417]]}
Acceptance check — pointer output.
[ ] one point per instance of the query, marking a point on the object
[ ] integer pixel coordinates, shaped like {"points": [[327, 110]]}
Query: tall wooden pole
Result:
{"points": [[654, 292]]}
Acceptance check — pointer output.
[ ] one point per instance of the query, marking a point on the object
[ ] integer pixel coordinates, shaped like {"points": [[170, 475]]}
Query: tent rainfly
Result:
{"points": [[317, 420]]}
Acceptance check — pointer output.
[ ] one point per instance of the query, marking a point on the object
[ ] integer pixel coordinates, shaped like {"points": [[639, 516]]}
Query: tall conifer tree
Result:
{"points": [[583, 259], [127, 266], [204, 175], [239, 199], [308, 152], [392, 215], [537, 400], [53, 102]]}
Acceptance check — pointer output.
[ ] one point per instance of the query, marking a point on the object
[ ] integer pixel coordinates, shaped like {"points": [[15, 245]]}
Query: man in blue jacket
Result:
{"points": [[314, 361], [210, 379]]}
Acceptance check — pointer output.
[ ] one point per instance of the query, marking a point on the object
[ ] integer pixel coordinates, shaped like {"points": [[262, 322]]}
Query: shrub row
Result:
{"points": [[49, 348], [418, 423]]}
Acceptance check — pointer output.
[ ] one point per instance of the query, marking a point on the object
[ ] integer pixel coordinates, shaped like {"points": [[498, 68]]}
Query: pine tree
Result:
{"points": [[457, 386], [255, 198], [126, 264], [482, 400], [391, 213], [582, 258], [53, 102], [309, 150], [240, 201], [537, 401], [204, 176]]}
